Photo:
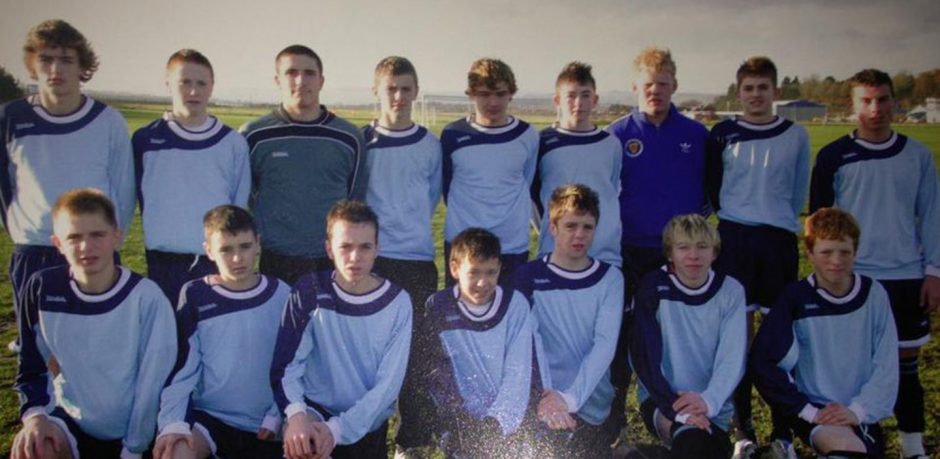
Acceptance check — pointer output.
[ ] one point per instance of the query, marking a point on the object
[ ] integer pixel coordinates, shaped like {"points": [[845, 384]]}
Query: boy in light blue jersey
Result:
{"points": [[342, 347], [575, 150], [888, 182], [304, 159], [825, 355], [480, 356], [489, 164], [578, 306], [404, 166], [689, 343], [186, 163], [55, 141], [758, 179], [218, 400], [111, 332]]}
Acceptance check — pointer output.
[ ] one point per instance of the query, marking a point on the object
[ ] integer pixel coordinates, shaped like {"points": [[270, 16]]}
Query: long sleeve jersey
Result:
{"points": [[404, 188], [44, 155], [577, 322], [663, 173], [815, 348], [226, 344], [689, 340], [181, 174], [591, 158], [299, 170], [115, 350], [341, 354], [892, 191], [487, 175], [758, 174]]}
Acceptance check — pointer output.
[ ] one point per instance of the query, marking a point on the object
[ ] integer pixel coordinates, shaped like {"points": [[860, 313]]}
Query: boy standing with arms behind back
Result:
{"points": [[758, 180]]}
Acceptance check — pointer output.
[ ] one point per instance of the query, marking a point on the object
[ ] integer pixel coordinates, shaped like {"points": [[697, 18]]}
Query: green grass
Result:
{"points": [[132, 255]]}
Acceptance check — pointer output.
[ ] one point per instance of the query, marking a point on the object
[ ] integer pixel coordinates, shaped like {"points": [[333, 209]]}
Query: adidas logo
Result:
{"points": [[849, 155], [463, 139], [685, 147], [324, 296], [208, 307], [541, 281], [662, 288], [24, 125], [280, 154], [452, 317], [55, 299], [158, 141], [810, 306], [551, 141]]}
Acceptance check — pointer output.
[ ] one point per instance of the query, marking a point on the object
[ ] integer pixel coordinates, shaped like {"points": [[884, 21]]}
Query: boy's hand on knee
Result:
{"points": [[835, 414], [690, 403], [299, 438], [166, 446], [40, 437]]}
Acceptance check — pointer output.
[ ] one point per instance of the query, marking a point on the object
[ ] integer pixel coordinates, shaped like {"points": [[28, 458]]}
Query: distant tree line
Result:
{"points": [[9, 88], [910, 90]]}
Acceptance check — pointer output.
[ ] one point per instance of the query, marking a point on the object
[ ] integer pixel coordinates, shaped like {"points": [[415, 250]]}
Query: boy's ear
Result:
{"points": [[57, 243], [454, 268], [329, 250], [207, 249]]}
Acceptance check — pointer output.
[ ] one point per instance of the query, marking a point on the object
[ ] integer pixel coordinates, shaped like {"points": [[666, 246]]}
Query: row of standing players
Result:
{"points": [[485, 167]]}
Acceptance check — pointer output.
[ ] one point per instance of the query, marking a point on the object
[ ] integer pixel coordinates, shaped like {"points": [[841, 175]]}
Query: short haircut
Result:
{"points": [[229, 219], [871, 77], [56, 33], [394, 66], [351, 211], [191, 56], [573, 197], [656, 60], [85, 201], [831, 224], [576, 72], [474, 244], [757, 67], [489, 73], [691, 226], [299, 50]]}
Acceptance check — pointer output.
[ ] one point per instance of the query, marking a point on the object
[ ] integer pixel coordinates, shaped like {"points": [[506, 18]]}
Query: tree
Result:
{"points": [[9, 87]]}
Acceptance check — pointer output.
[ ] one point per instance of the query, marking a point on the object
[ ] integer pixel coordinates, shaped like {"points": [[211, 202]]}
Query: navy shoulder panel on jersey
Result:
{"points": [[551, 138]]}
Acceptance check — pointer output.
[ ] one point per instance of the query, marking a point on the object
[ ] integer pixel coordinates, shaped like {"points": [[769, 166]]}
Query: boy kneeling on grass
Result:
{"points": [[689, 343], [110, 330], [480, 353], [218, 400], [825, 355]]}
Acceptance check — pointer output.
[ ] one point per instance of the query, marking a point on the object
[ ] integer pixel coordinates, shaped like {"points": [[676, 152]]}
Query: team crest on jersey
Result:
{"points": [[634, 147]]}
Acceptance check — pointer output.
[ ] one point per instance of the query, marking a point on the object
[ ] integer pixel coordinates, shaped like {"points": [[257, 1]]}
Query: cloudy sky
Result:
{"points": [[536, 37]]}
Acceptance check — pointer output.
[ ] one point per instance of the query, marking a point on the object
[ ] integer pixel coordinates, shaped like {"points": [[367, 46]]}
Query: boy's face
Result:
{"points": [[190, 86], [396, 94], [757, 95], [233, 254], [477, 279], [575, 102], [574, 234], [87, 241], [491, 104], [874, 107], [57, 71], [691, 259], [300, 81], [353, 248], [832, 260], [654, 91]]}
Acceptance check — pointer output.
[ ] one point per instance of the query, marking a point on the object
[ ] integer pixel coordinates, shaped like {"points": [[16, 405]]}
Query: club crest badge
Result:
{"points": [[634, 147]]}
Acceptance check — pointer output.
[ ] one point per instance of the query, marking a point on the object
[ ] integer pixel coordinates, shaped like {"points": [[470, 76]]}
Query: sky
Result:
{"points": [[536, 37]]}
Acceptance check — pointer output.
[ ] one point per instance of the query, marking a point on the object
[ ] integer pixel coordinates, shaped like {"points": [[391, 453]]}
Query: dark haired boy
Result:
{"points": [[304, 159], [342, 348], [480, 354], [55, 141], [758, 179], [218, 399], [186, 163], [111, 332], [888, 182]]}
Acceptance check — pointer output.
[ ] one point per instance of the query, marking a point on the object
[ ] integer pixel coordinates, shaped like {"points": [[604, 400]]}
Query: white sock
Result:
{"points": [[912, 443]]}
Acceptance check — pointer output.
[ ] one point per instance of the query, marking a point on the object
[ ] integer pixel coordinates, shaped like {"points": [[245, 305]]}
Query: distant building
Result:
{"points": [[929, 112], [799, 110]]}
